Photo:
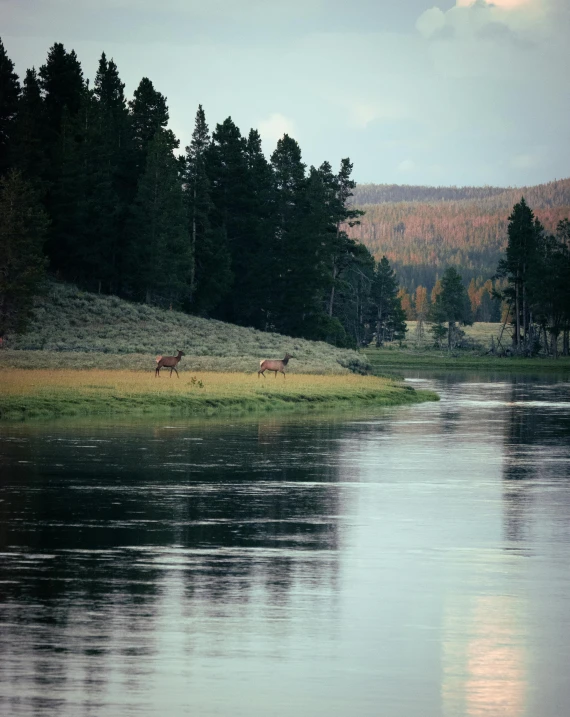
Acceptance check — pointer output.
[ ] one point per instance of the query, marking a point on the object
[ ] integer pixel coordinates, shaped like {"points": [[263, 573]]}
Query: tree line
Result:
{"points": [[531, 284], [421, 238], [536, 270], [96, 190]]}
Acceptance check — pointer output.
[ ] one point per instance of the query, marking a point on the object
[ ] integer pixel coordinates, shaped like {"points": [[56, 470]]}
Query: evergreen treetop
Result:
{"points": [[9, 95]]}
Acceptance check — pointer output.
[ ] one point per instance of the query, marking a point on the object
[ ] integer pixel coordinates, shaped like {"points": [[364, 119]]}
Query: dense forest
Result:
{"points": [[96, 190], [421, 230]]}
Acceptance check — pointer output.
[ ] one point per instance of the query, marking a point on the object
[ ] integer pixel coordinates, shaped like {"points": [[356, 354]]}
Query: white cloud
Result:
{"points": [[467, 93], [274, 127], [362, 113], [430, 22], [408, 165]]}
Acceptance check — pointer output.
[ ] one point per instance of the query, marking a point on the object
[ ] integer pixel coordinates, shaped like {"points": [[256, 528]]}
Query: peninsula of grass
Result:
{"points": [[396, 359], [42, 393]]}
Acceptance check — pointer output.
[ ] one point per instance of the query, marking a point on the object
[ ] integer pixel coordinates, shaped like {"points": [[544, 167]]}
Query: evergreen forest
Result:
{"points": [[96, 190]]}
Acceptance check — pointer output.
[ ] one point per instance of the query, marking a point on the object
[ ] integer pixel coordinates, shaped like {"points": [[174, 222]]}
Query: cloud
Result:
{"points": [[274, 127], [408, 165], [466, 92], [430, 22], [488, 20]]}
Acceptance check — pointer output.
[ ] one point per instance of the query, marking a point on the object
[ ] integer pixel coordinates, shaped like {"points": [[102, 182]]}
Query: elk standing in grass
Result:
{"points": [[168, 362], [273, 365]]}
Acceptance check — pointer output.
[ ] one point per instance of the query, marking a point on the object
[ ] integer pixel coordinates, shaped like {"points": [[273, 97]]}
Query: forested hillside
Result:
{"points": [[421, 230], [95, 190]]}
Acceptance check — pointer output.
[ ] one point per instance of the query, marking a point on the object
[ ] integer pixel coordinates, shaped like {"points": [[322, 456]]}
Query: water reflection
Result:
{"points": [[484, 657], [408, 561]]}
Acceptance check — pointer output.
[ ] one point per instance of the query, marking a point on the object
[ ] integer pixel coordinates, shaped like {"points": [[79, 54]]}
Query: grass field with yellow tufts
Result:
{"points": [[46, 393]]}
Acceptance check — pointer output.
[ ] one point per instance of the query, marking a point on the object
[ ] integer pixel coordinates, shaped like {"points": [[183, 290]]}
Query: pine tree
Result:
{"points": [[64, 95], [352, 298], [149, 114], [62, 84], [211, 276], [387, 314], [451, 304], [256, 267], [231, 197], [523, 237], [563, 234], [107, 158], [289, 287], [28, 150], [159, 256], [548, 287], [343, 249], [9, 94], [23, 225]]}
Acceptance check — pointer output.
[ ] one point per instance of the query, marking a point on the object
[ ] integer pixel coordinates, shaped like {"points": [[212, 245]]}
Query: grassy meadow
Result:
{"points": [[37, 393], [79, 330], [414, 354]]}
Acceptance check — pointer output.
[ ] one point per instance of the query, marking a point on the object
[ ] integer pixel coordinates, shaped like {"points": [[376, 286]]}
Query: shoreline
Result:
{"points": [[43, 394]]}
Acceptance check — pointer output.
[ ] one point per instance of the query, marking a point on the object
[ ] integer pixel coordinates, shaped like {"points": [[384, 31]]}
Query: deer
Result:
{"points": [[277, 365], [168, 362]]}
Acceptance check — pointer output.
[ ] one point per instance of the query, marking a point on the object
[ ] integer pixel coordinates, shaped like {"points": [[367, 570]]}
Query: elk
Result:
{"points": [[168, 362], [274, 365]]}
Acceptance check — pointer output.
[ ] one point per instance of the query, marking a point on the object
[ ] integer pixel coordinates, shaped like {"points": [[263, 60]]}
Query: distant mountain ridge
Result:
{"points": [[422, 230], [553, 193]]}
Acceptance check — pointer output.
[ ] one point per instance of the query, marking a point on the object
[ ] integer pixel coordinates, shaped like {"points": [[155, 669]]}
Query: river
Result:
{"points": [[403, 562]]}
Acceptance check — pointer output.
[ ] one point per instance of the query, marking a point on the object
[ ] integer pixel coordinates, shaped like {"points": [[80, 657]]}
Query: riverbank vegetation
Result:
{"points": [[71, 328], [45, 393], [398, 359]]}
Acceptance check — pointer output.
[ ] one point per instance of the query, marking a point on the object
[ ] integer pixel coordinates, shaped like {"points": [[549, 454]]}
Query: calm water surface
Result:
{"points": [[412, 562]]}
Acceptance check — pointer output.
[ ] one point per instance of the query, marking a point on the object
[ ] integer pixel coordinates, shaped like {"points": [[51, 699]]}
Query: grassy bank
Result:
{"points": [[394, 359], [46, 393], [77, 329]]}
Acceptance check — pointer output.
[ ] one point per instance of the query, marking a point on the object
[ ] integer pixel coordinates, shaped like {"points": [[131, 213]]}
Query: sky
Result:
{"points": [[461, 92]]}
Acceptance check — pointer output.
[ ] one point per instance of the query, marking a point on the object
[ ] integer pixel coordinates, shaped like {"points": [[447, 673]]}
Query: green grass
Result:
{"points": [[414, 354], [394, 359], [46, 394], [76, 329]]}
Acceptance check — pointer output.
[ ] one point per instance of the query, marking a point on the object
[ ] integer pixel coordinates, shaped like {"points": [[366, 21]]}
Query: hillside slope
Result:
{"points": [[78, 329], [421, 234]]}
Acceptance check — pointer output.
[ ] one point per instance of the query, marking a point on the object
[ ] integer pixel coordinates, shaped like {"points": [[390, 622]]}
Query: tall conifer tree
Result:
{"points": [[211, 275], [149, 114], [62, 84], [229, 181], [452, 304], [290, 188], [523, 237], [28, 149], [387, 315], [9, 94], [159, 256]]}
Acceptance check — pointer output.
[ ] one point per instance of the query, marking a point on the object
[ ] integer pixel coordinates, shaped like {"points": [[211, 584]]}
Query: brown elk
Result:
{"points": [[274, 365], [168, 362]]}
